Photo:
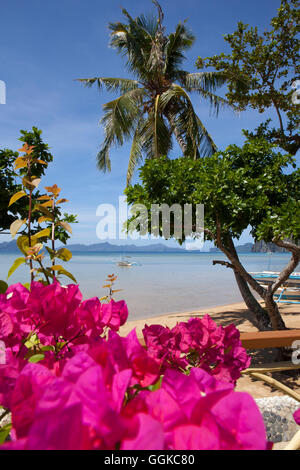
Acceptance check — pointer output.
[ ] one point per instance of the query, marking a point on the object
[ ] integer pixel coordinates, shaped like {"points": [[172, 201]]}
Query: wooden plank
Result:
{"points": [[269, 339]]}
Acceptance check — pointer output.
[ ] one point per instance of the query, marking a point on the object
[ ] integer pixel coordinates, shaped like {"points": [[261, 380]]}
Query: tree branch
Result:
{"points": [[224, 263]]}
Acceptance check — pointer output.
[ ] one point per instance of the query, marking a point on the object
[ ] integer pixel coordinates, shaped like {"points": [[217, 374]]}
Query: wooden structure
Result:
{"points": [[270, 339]]}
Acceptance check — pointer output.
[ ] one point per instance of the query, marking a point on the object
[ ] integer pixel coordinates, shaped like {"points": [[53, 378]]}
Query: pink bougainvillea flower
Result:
{"points": [[56, 308], [92, 392], [77, 410], [297, 416], [201, 343], [225, 419], [149, 434], [127, 353], [114, 314], [9, 373], [90, 315], [27, 391]]}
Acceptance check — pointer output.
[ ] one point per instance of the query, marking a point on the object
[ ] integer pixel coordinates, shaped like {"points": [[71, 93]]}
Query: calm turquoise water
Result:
{"points": [[161, 282]]}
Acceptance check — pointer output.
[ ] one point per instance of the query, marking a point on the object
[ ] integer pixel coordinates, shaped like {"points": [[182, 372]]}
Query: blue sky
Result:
{"points": [[46, 45]]}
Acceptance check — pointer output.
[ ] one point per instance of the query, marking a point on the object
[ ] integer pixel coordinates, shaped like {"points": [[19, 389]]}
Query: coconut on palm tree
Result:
{"points": [[155, 105]]}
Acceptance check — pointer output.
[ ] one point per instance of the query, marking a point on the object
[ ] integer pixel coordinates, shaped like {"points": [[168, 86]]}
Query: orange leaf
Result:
{"points": [[47, 204], [44, 219], [53, 189], [16, 196], [60, 201], [27, 148]]}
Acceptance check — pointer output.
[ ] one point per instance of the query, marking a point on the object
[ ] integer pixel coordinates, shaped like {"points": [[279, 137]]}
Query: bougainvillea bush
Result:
{"points": [[71, 381], [200, 343]]}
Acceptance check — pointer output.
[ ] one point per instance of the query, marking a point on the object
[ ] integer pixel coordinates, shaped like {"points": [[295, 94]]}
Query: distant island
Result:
{"points": [[258, 247], [11, 247], [246, 248]]}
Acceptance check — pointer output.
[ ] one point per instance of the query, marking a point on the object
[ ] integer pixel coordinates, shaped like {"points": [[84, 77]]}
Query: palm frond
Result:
{"points": [[155, 125], [134, 42], [187, 127], [119, 120], [176, 44], [216, 102], [103, 160], [111, 84], [207, 145], [135, 151], [207, 81], [148, 23]]}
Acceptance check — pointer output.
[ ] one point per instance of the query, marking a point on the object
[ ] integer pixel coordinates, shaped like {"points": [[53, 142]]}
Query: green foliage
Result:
{"points": [[10, 186], [4, 432], [155, 105], [261, 69], [3, 287], [47, 208], [238, 187], [8, 177]]}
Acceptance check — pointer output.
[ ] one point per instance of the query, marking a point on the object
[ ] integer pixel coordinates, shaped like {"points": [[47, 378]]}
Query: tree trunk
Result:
{"points": [[261, 316], [267, 295], [274, 314]]}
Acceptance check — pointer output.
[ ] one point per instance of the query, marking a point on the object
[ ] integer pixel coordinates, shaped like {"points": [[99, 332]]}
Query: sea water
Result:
{"points": [[158, 283]]}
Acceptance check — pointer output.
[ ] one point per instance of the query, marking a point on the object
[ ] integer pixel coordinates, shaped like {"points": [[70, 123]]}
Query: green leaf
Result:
{"points": [[64, 254], [15, 266], [32, 341], [43, 233], [51, 252], [157, 385], [62, 270], [44, 210], [47, 348], [36, 358], [23, 243], [4, 432], [3, 287]]}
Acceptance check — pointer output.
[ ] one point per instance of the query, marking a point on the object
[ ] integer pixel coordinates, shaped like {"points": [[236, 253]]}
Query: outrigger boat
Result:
{"points": [[289, 292], [125, 263]]}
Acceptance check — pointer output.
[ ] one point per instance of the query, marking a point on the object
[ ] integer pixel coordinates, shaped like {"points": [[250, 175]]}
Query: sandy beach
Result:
{"points": [[238, 314]]}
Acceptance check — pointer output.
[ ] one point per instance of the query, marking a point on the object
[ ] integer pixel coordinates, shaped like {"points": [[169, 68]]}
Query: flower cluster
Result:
{"points": [[46, 323], [90, 395], [55, 313], [200, 343], [93, 389]]}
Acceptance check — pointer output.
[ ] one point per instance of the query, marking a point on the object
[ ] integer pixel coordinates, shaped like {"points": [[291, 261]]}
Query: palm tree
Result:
{"points": [[155, 105]]}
